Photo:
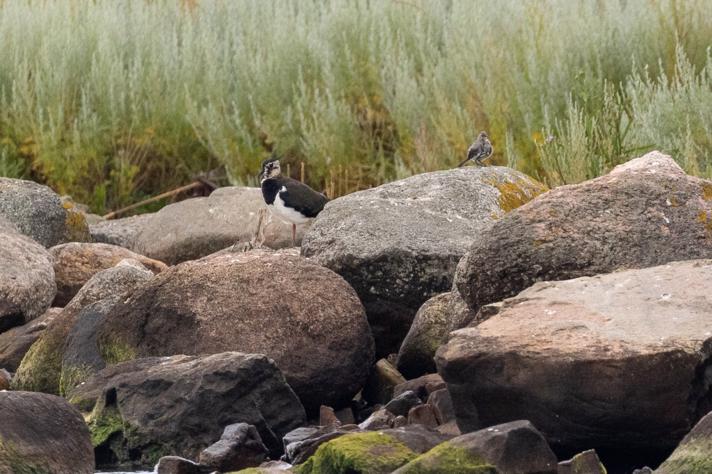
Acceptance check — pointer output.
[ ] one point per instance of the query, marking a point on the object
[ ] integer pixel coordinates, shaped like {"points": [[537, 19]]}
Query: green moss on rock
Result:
{"points": [[114, 351], [448, 459], [72, 376], [40, 369], [368, 453]]}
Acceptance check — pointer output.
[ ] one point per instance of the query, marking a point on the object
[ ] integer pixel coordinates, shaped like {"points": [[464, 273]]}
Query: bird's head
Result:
{"points": [[482, 135], [270, 168]]}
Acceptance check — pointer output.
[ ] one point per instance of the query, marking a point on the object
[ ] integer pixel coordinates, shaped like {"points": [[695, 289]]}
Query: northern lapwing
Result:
{"points": [[480, 150], [289, 199]]}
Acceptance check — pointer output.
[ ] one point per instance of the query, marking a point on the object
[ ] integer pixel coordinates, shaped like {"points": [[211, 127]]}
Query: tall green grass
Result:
{"points": [[113, 100]]}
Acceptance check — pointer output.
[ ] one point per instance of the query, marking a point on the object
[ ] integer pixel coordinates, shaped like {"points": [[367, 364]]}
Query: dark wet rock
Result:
{"points": [[26, 280], [381, 382], [15, 342], [197, 227], [146, 408], [515, 447], [586, 462], [423, 386], [418, 438], [39, 213], [401, 405], [41, 367], [398, 244], [594, 362], [431, 326], [239, 447], [645, 212], [41, 433], [303, 316], [75, 263], [694, 453]]}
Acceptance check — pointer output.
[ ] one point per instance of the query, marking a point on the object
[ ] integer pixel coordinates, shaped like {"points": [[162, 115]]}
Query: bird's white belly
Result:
{"points": [[286, 213]]}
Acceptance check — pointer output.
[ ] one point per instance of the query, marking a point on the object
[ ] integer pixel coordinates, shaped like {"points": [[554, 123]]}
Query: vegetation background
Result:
{"points": [[115, 100]]}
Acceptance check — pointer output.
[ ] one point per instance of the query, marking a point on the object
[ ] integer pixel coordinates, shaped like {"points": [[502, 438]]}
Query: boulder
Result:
{"points": [[197, 227], [141, 410], [40, 369], [15, 343], [514, 448], [42, 433], [694, 453], [301, 443], [26, 280], [239, 447], [39, 213], [75, 263], [302, 315], [122, 232], [615, 361], [433, 322], [423, 415], [398, 244], [378, 420], [359, 453], [645, 212]]}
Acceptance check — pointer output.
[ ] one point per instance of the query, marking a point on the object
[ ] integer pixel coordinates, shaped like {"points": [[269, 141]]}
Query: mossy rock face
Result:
{"points": [[40, 369], [367, 453], [694, 454], [447, 459]]}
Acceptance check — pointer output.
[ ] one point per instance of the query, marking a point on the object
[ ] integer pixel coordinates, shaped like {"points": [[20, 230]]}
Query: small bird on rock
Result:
{"points": [[480, 150], [289, 199]]}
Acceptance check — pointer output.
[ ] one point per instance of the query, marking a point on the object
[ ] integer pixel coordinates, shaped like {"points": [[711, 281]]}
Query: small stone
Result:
{"points": [[422, 386], [380, 419], [383, 379], [327, 417], [442, 404], [423, 415], [400, 422], [346, 416], [5, 378], [239, 447], [177, 465], [586, 462], [401, 405]]}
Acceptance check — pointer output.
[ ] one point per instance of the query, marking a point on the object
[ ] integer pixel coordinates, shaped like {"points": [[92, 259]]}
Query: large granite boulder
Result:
{"points": [[141, 410], [197, 227], [398, 244], [41, 367], [615, 361], [41, 433], [694, 453], [513, 448], [431, 326], [75, 263], [26, 277], [40, 213], [15, 343], [643, 213], [302, 315]]}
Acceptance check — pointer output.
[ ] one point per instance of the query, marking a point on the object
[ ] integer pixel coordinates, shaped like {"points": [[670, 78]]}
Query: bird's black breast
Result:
{"points": [[270, 188]]}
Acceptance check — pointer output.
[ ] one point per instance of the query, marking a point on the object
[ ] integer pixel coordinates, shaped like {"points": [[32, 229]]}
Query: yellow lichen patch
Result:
{"points": [[705, 219], [516, 193], [707, 192]]}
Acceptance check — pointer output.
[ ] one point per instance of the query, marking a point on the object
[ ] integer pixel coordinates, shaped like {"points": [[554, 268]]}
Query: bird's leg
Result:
{"points": [[294, 235]]}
